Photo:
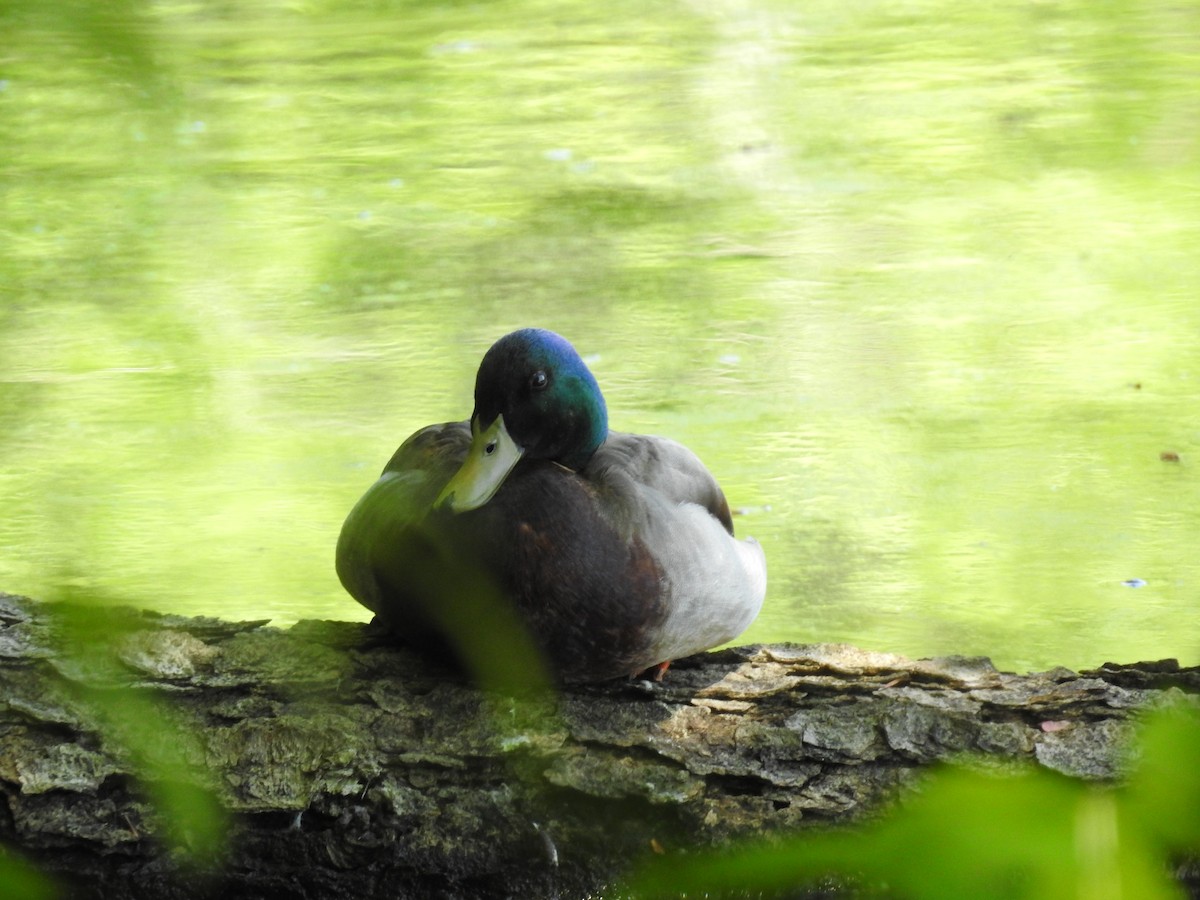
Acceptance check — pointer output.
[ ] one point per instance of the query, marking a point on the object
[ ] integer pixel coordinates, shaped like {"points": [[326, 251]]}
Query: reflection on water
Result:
{"points": [[916, 281]]}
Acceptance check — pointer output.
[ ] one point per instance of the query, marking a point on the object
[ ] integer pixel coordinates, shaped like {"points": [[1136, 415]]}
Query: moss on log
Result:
{"points": [[349, 767]]}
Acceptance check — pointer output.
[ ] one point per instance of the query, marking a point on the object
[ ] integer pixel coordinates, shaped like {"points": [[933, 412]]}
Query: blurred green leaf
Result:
{"points": [[19, 880], [464, 602], [964, 834], [166, 754], [161, 743], [1163, 796]]}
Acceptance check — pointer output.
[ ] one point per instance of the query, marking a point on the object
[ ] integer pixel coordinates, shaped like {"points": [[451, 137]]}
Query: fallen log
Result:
{"points": [[345, 766]]}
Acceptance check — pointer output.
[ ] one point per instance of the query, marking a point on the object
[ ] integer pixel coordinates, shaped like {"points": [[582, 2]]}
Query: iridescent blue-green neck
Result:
{"points": [[550, 401]]}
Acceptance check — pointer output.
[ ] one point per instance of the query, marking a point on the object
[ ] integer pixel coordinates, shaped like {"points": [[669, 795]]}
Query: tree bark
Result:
{"points": [[350, 767]]}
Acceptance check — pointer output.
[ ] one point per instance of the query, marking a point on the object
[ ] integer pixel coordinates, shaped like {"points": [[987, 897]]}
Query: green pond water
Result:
{"points": [[919, 281]]}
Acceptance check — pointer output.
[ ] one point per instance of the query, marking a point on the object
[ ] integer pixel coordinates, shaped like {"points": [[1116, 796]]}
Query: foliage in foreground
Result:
{"points": [[18, 879], [979, 835]]}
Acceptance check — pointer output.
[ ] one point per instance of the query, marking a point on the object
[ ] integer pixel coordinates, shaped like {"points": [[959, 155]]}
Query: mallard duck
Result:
{"points": [[616, 551]]}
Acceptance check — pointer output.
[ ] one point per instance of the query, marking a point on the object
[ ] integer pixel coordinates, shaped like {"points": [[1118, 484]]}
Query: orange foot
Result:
{"points": [[654, 673]]}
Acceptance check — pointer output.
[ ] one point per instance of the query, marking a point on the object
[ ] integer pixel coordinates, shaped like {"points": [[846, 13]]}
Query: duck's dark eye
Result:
{"points": [[490, 448], [538, 381]]}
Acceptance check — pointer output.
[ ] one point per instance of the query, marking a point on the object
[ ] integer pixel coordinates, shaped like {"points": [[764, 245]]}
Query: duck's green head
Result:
{"points": [[535, 399]]}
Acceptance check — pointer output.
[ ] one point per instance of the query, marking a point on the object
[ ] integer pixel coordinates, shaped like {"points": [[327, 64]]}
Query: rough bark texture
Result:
{"points": [[350, 768]]}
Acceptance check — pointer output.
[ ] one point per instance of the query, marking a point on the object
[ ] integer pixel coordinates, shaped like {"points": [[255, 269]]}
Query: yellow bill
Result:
{"points": [[492, 455]]}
